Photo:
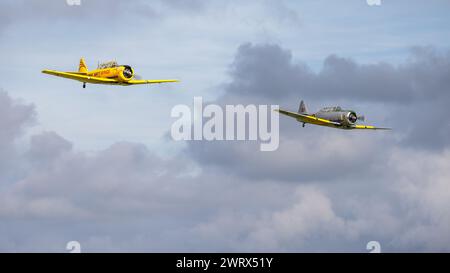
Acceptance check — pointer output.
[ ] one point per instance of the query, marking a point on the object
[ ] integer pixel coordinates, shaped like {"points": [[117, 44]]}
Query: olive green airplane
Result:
{"points": [[334, 117], [106, 73]]}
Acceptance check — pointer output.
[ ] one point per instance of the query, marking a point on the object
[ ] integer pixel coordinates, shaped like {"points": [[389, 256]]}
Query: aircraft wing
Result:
{"points": [[369, 127], [79, 77], [150, 81], [310, 119]]}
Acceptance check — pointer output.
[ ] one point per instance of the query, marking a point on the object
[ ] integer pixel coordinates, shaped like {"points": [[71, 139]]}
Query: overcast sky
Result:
{"points": [[97, 165]]}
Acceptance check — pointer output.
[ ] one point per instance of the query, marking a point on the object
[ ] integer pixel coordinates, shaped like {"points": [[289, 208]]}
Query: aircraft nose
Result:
{"points": [[352, 117]]}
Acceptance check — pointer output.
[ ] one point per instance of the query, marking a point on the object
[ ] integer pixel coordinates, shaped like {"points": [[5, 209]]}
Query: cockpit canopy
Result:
{"points": [[110, 64], [331, 109]]}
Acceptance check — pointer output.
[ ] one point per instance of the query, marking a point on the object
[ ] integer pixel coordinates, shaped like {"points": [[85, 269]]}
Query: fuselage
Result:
{"points": [[336, 114], [122, 73]]}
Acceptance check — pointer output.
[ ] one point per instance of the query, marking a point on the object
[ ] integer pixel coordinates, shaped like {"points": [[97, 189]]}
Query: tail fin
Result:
{"points": [[302, 108], [82, 68]]}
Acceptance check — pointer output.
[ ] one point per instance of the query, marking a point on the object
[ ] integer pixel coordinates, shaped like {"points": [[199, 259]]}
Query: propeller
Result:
{"points": [[137, 77], [352, 117], [361, 118], [127, 72]]}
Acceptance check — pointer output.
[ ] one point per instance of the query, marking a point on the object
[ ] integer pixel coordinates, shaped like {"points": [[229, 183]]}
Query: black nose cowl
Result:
{"points": [[352, 117], [127, 72]]}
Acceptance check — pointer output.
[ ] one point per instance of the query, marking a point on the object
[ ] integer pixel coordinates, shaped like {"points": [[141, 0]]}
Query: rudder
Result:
{"points": [[302, 108], [82, 67]]}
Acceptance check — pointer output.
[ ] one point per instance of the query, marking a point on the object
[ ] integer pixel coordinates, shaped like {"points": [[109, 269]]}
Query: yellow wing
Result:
{"points": [[150, 81], [324, 122], [310, 119], [80, 77], [369, 127]]}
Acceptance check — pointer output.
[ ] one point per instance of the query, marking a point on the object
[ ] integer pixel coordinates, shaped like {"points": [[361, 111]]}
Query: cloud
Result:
{"points": [[410, 97], [269, 71], [299, 158], [422, 184], [115, 12], [363, 166], [63, 178], [15, 117], [406, 210], [323, 190], [47, 147], [190, 5], [310, 215]]}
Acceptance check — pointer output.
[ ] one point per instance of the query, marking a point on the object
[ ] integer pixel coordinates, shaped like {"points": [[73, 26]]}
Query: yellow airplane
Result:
{"points": [[106, 73]]}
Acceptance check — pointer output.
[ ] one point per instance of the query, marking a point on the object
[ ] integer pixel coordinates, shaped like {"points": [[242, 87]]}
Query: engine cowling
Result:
{"points": [[350, 118], [126, 73]]}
